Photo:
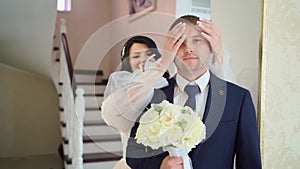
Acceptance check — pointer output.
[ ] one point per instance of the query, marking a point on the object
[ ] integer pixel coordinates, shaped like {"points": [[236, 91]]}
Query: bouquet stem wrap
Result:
{"points": [[187, 163]]}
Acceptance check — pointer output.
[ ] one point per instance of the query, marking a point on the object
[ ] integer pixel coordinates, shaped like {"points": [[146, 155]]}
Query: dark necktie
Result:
{"points": [[191, 90]]}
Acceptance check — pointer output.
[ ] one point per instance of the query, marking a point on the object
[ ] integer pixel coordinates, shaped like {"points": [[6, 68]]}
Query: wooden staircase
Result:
{"points": [[99, 145], [102, 147]]}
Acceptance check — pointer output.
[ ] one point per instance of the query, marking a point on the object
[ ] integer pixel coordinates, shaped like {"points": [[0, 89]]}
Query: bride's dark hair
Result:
{"points": [[126, 48]]}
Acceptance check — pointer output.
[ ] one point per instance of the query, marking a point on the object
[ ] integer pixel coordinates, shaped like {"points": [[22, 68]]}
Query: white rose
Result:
{"points": [[166, 119], [174, 135], [193, 135], [149, 134], [150, 116]]}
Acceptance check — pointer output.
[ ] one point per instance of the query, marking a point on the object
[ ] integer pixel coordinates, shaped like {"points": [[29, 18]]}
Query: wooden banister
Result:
{"points": [[74, 103], [65, 44]]}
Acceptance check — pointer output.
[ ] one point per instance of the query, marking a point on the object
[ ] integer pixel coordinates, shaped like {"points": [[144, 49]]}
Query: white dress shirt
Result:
{"points": [[180, 97]]}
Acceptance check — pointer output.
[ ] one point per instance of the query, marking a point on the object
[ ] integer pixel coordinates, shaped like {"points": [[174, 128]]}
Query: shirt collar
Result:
{"points": [[202, 81], [172, 70]]}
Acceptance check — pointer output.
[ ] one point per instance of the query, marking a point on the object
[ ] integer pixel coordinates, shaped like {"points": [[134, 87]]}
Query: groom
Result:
{"points": [[227, 110]]}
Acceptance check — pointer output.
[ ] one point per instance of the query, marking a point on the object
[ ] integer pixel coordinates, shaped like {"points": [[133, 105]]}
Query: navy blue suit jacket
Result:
{"points": [[231, 126]]}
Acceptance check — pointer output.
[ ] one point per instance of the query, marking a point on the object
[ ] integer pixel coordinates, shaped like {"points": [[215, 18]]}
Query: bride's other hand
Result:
{"points": [[173, 41], [213, 34]]}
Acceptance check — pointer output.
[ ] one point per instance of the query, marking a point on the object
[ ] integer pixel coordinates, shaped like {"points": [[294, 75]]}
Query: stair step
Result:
{"points": [[93, 116], [93, 108], [93, 123], [97, 157], [99, 131], [93, 89], [87, 78], [88, 75], [99, 147], [96, 165], [93, 101], [95, 131], [90, 88], [88, 139], [88, 123], [88, 72], [104, 82]]}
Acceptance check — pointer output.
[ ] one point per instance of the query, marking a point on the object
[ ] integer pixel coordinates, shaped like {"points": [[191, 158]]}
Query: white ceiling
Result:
{"points": [[26, 34]]}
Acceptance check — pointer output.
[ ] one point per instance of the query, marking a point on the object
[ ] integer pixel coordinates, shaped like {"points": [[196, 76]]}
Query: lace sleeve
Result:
{"points": [[127, 95]]}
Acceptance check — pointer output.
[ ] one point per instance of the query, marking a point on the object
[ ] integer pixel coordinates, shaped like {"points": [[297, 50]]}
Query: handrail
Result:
{"points": [[69, 61], [74, 104]]}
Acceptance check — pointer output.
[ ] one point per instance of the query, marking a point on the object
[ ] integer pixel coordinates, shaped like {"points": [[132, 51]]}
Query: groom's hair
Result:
{"points": [[190, 19]]}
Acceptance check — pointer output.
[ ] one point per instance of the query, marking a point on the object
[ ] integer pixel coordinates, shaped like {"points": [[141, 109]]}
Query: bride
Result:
{"points": [[122, 102]]}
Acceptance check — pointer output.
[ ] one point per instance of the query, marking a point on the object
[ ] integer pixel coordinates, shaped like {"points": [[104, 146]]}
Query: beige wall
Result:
{"points": [[281, 85], [107, 41], [85, 18], [239, 22], [29, 123]]}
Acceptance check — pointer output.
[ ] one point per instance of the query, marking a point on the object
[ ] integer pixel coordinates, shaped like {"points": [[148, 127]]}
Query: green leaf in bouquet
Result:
{"points": [[182, 124], [186, 111], [157, 108]]}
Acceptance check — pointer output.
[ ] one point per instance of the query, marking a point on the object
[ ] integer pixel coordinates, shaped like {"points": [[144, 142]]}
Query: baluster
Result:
{"points": [[70, 115], [77, 160]]}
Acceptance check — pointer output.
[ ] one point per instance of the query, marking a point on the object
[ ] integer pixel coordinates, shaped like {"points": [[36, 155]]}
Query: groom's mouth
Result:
{"points": [[189, 58]]}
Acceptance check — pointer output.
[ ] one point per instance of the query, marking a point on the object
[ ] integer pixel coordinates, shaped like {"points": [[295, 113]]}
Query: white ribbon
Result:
{"points": [[187, 163]]}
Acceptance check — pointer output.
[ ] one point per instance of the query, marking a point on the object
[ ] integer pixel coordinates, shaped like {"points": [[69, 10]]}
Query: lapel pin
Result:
{"points": [[221, 92]]}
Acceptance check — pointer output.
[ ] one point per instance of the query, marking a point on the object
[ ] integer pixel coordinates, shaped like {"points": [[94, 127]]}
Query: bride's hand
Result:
{"points": [[173, 41], [213, 34]]}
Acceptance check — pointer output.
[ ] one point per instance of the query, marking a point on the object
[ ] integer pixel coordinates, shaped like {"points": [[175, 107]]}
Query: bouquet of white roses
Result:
{"points": [[174, 128]]}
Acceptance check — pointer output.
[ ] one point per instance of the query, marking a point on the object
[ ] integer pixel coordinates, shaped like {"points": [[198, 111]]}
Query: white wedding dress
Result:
{"points": [[125, 98]]}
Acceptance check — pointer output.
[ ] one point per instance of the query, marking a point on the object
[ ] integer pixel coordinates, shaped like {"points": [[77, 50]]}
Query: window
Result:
{"points": [[199, 8], [64, 5]]}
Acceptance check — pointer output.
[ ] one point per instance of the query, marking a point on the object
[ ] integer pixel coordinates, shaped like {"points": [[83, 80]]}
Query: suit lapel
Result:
{"points": [[215, 104], [213, 112], [166, 93]]}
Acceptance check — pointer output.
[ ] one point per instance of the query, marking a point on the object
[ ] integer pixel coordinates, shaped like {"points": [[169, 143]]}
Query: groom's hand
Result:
{"points": [[172, 163]]}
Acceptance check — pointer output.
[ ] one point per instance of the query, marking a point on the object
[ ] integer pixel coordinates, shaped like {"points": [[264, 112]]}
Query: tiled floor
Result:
{"points": [[32, 162]]}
